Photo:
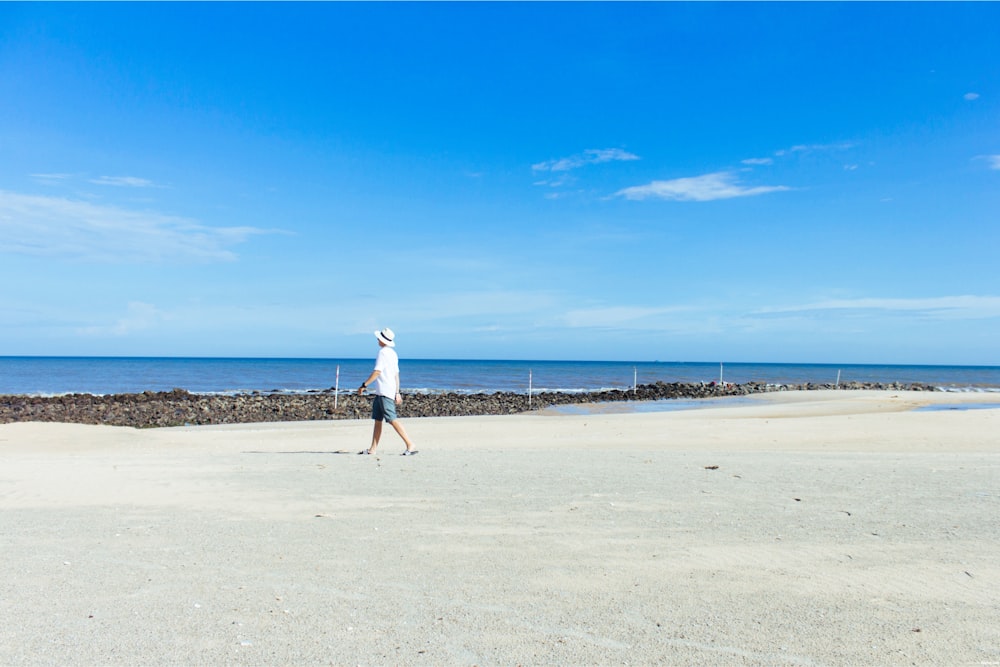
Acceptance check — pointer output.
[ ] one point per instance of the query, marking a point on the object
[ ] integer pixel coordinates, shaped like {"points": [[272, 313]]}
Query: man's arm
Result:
{"points": [[371, 378]]}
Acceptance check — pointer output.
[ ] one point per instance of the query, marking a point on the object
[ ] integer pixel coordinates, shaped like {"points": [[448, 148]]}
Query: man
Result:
{"points": [[387, 396]]}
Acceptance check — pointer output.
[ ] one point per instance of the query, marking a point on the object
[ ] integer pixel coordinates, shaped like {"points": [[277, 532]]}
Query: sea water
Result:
{"points": [[116, 375]]}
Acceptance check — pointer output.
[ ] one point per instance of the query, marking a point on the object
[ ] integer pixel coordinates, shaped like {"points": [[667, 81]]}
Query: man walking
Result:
{"points": [[387, 396]]}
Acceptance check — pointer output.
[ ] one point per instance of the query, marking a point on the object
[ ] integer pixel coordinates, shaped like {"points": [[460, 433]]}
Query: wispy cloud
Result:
{"points": [[800, 149], [55, 178], [994, 161], [51, 179], [563, 179], [139, 317], [945, 307], [859, 315], [816, 148], [587, 157], [54, 226], [124, 182], [622, 317], [970, 97], [710, 187]]}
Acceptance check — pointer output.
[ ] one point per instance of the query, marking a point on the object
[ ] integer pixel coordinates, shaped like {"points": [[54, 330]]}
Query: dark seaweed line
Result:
{"points": [[179, 407]]}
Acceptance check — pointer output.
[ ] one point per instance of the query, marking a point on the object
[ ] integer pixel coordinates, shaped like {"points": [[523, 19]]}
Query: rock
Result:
{"points": [[180, 407]]}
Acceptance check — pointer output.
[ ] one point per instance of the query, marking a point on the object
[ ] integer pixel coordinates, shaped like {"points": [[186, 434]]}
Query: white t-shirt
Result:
{"points": [[387, 363]]}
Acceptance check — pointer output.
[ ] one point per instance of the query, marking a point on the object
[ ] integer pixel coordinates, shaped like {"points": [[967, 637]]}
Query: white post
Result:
{"points": [[529, 388], [635, 380], [336, 388], [838, 378], [720, 372]]}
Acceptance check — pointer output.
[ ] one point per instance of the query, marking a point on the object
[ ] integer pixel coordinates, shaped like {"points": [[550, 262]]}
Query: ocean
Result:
{"points": [[47, 376]]}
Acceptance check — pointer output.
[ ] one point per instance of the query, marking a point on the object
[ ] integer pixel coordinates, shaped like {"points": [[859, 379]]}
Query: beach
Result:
{"points": [[792, 528]]}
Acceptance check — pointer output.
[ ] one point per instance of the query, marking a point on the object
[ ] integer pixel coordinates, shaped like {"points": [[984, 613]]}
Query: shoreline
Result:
{"points": [[125, 375], [180, 407]]}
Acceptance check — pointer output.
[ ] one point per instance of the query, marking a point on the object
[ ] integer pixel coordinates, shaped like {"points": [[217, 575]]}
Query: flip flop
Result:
{"points": [[409, 452]]}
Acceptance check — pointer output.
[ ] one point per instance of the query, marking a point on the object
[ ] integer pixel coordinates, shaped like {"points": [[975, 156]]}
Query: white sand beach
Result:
{"points": [[800, 528]]}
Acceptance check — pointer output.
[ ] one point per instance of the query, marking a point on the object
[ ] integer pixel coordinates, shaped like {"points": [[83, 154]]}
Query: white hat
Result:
{"points": [[386, 336]]}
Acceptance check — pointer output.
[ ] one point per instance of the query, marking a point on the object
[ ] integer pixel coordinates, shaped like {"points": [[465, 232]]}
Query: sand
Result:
{"points": [[803, 528]]}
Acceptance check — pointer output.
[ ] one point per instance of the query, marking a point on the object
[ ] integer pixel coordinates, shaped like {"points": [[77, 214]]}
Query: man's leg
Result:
{"points": [[398, 425], [376, 434]]}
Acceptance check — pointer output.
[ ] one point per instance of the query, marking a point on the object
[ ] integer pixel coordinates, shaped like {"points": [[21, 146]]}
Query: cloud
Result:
{"points": [[940, 308], [54, 226], [590, 156], [758, 161], [140, 316], [123, 182], [710, 187], [113, 181], [994, 161], [51, 179], [561, 180], [558, 195], [816, 148], [969, 97], [621, 317]]}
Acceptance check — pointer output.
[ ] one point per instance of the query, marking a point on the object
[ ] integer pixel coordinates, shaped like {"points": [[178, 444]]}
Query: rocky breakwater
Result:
{"points": [[179, 407]]}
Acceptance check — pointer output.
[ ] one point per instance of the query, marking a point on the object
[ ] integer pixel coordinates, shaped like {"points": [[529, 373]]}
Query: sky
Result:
{"points": [[739, 182]]}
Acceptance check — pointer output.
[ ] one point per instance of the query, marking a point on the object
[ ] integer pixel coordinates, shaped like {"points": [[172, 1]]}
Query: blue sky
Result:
{"points": [[657, 181]]}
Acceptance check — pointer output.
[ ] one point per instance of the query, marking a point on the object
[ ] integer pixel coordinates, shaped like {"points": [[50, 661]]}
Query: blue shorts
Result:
{"points": [[384, 409]]}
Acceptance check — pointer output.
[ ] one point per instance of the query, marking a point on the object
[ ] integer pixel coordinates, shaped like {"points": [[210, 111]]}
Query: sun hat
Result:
{"points": [[386, 336]]}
